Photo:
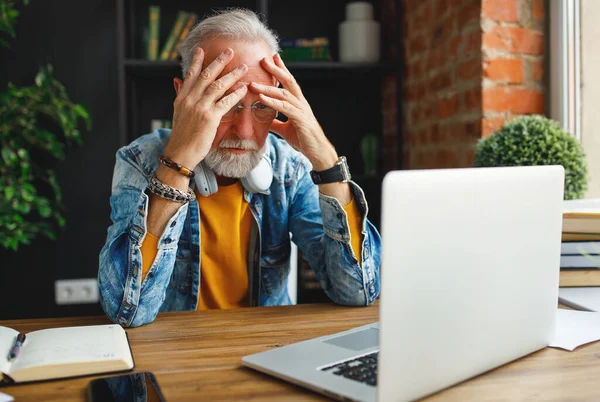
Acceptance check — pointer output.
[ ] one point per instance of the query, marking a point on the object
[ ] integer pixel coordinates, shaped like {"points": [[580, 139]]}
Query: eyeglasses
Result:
{"points": [[260, 112]]}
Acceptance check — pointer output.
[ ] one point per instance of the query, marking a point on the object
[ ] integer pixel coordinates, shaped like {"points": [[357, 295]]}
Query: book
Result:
{"points": [[176, 29], [184, 32], [305, 49], [566, 237], [579, 277], [581, 216], [305, 53], [580, 261], [64, 352], [580, 247], [304, 42], [580, 298], [153, 32]]}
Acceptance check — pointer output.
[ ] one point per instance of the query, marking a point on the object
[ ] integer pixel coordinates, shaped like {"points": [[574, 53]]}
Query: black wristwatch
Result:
{"points": [[336, 174]]}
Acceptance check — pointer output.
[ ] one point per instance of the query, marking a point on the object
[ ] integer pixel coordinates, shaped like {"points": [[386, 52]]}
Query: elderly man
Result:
{"points": [[202, 213]]}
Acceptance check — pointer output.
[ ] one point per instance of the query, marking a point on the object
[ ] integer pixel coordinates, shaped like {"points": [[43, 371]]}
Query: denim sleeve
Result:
{"points": [[320, 229], [124, 297]]}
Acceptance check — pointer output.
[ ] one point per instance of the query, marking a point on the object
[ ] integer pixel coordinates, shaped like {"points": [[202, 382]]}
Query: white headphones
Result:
{"points": [[258, 180]]}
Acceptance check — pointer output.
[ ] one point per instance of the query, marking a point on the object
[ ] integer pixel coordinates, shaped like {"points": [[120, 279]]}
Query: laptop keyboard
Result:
{"points": [[362, 369]]}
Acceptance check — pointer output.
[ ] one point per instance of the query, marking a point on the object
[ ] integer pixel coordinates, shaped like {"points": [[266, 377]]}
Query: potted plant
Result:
{"points": [[536, 140], [36, 124]]}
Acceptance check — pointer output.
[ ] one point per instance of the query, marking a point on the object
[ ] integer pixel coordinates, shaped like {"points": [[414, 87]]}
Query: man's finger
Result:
{"points": [[210, 73], [218, 87], [277, 93], [281, 128], [281, 106], [279, 62], [193, 72], [227, 102], [286, 79]]}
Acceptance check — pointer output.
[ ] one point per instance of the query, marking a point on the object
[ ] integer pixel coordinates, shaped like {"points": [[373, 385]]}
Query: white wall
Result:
{"points": [[590, 91]]}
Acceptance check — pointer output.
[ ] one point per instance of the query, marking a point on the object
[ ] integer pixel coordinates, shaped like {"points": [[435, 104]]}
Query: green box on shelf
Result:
{"points": [[305, 53]]}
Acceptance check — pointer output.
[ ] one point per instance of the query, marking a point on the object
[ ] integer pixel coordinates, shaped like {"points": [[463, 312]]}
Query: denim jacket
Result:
{"points": [[292, 205]]}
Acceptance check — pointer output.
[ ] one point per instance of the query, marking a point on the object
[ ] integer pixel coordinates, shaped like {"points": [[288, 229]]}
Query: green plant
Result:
{"points": [[36, 124], [8, 19], [536, 140]]}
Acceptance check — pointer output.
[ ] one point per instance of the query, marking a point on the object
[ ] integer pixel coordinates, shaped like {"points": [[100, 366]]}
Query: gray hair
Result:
{"points": [[233, 23]]}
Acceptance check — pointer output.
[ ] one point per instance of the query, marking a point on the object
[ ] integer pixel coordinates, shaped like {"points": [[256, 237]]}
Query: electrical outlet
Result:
{"points": [[76, 291]]}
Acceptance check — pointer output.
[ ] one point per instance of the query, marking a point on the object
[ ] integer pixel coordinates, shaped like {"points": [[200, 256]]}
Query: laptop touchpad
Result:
{"points": [[364, 339]]}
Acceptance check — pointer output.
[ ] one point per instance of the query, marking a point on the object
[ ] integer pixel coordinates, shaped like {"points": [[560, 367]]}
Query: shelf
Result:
{"points": [[337, 65], [144, 67]]}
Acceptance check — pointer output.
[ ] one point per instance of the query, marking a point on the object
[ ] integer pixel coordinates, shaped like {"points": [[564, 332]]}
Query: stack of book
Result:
{"points": [[184, 21], [305, 49], [580, 249]]}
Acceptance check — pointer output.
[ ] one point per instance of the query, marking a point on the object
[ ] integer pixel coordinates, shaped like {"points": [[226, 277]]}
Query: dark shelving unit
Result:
{"points": [[346, 98], [381, 68]]}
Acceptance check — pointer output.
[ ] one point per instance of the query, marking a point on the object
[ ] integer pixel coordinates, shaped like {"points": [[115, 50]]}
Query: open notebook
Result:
{"points": [[64, 352]]}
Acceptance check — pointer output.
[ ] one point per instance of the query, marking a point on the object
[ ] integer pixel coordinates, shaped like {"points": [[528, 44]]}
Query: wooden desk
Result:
{"points": [[196, 356]]}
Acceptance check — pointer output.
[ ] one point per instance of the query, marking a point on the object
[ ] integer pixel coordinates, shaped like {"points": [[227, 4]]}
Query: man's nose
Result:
{"points": [[243, 124]]}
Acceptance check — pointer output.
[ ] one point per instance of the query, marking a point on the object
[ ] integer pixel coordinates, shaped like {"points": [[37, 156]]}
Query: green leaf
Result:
{"points": [[60, 220], [81, 112], [23, 154], [9, 193], [44, 210], [27, 195], [40, 78]]}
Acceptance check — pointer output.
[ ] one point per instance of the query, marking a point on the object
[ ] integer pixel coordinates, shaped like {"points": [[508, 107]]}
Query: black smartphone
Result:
{"points": [[135, 387]]}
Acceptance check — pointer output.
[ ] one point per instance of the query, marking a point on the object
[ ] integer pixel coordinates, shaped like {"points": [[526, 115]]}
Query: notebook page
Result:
{"points": [[587, 205], [580, 298], [575, 328], [7, 340], [6, 398], [72, 345]]}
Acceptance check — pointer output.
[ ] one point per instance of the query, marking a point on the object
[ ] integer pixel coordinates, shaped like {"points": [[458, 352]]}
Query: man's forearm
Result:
{"points": [[161, 210], [327, 159], [341, 191]]}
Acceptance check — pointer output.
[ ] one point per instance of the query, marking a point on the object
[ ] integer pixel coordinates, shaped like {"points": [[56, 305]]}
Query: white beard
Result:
{"points": [[225, 163]]}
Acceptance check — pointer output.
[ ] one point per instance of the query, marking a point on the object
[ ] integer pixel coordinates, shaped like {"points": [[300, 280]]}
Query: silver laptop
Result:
{"points": [[470, 264]]}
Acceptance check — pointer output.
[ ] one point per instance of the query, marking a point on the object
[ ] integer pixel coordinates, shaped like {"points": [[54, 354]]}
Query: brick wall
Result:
{"points": [[470, 65], [513, 60]]}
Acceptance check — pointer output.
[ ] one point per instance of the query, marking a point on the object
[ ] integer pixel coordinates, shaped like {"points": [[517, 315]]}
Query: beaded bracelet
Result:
{"points": [[170, 193], [176, 166]]}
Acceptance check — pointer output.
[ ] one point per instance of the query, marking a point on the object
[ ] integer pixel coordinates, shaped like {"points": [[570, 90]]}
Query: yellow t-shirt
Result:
{"points": [[224, 232]]}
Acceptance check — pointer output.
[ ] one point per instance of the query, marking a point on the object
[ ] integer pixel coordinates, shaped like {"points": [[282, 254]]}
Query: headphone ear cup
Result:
{"points": [[205, 179], [260, 178]]}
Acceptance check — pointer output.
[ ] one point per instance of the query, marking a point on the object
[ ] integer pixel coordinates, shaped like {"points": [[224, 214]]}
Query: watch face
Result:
{"points": [[345, 170]]}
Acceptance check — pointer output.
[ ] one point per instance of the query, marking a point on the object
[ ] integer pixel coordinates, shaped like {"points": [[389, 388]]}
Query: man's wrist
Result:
{"points": [[340, 191], [172, 178], [325, 161]]}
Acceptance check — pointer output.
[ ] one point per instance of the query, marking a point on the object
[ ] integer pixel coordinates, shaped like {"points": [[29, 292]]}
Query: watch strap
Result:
{"points": [[338, 173]]}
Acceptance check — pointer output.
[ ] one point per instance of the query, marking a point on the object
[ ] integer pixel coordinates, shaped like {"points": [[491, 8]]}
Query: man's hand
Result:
{"points": [[200, 105], [302, 130]]}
